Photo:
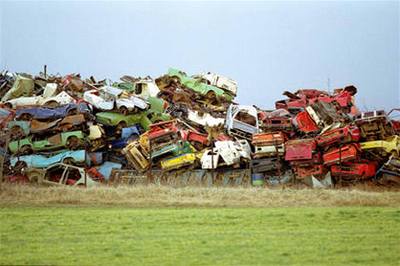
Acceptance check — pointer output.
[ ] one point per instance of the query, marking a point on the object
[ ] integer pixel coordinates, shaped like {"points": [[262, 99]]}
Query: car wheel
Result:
{"points": [[8, 105], [211, 98], [73, 143], [26, 149], [51, 104], [26, 117], [73, 111], [176, 79], [123, 110], [19, 166], [16, 132], [69, 160]]}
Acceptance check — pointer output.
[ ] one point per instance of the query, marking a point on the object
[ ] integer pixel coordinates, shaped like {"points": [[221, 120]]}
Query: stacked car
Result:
{"points": [[74, 131]]}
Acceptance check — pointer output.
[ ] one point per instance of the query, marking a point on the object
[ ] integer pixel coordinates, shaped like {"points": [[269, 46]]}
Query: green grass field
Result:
{"points": [[199, 236]]}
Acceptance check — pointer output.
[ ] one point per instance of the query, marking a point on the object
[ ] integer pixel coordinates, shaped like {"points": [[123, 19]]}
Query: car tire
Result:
{"points": [[51, 104], [123, 110], [19, 166], [16, 132], [26, 149], [73, 143], [69, 160], [25, 117]]}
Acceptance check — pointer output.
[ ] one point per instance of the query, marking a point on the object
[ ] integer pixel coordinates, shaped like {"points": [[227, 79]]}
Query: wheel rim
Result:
{"points": [[73, 143]]}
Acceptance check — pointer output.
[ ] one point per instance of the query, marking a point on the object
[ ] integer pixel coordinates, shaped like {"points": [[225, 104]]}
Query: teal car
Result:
{"points": [[41, 161], [144, 119], [196, 85], [71, 140]]}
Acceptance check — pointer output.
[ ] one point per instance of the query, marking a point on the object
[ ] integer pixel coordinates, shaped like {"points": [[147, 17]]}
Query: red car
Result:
{"points": [[339, 135], [162, 129], [277, 123], [197, 139], [346, 153], [266, 139], [300, 149], [358, 170], [305, 123], [311, 170]]}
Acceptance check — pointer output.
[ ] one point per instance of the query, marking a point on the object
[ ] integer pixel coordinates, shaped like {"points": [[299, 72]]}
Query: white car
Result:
{"points": [[145, 88], [225, 83], [242, 121], [107, 97], [205, 119], [48, 98], [231, 152]]}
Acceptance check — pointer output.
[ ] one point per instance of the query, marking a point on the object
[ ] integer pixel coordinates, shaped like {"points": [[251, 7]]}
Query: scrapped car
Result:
{"points": [[269, 150], [48, 98], [204, 119], [71, 140], [355, 170], [23, 128], [137, 156], [179, 161], [242, 121], [267, 139], [265, 165], [208, 91], [128, 134], [300, 149], [23, 86], [303, 171], [143, 88], [341, 135], [346, 153], [389, 146], [172, 149], [389, 172], [121, 121], [373, 125], [107, 97], [295, 103], [324, 114], [226, 153], [60, 174], [44, 113], [225, 83], [42, 161], [277, 123], [163, 132], [304, 123], [198, 140]]}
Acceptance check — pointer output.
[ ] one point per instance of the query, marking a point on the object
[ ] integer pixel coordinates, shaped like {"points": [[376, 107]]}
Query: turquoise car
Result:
{"points": [[41, 161]]}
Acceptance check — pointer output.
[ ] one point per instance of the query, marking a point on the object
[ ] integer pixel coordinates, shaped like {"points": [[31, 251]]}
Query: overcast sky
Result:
{"points": [[268, 47]]}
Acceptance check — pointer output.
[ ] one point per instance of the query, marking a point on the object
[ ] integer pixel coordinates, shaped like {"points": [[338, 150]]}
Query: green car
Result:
{"points": [[144, 119], [174, 149], [198, 86], [72, 140]]}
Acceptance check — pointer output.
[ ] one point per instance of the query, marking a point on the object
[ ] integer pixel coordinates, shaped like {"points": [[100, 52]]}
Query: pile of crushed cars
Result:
{"points": [[180, 129]]}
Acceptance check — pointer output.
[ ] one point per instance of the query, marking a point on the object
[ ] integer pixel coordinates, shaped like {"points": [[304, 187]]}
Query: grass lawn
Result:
{"points": [[199, 236]]}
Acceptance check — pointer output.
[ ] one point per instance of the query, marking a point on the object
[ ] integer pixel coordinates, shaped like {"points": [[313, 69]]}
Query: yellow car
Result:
{"points": [[178, 161], [390, 145]]}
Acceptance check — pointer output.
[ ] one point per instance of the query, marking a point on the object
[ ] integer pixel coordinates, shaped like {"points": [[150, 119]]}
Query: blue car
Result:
{"points": [[42, 113], [41, 161], [127, 134]]}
